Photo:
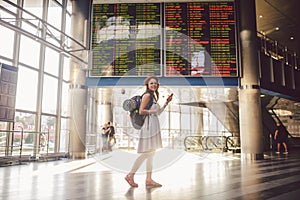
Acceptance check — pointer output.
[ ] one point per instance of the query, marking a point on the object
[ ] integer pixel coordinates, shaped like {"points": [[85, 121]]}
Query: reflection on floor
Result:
{"points": [[183, 176]]}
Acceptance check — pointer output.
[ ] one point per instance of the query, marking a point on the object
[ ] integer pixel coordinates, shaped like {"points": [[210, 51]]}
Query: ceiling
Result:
{"points": [[285, 15]]}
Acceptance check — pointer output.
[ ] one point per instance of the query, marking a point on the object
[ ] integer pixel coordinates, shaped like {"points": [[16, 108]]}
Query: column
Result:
{"points": [[105, 98], [77, 90], [251, 131], [199, 122], [93, 129]]}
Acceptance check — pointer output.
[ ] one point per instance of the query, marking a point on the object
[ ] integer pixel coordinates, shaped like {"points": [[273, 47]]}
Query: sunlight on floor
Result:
{"points": [[121, 161]]}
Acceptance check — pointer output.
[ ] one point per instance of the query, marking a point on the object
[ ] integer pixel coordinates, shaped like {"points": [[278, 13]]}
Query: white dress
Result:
{"points": [[150, 135]]}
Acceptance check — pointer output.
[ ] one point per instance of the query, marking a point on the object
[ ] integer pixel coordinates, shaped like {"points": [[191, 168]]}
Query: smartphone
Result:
{"points": [[170, 97]]}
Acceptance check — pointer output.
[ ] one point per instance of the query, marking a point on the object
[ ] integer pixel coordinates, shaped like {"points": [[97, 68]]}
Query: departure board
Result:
{"points": [[200, 39], [164, 39], [8, 90], [126, 39]]}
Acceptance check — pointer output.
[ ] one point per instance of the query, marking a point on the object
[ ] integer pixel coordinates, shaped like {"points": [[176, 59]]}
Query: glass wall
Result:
{"points": [[43, 73], [178, 121]]}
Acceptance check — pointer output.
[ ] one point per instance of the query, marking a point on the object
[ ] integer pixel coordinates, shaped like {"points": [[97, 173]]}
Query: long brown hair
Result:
{"points": [[146, 83]]}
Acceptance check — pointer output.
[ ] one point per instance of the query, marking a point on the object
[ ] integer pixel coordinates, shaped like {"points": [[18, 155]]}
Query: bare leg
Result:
{"points": [[149, 181], [149, 166], [136, 165], [285, 147], [138, 162], [278, 147]]}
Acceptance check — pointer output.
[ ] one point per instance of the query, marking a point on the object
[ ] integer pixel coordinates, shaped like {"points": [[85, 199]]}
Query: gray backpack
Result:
{"points": [[133, 106]]}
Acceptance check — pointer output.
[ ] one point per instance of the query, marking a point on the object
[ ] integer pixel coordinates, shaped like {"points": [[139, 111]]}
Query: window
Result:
{"points": [[48, 127], [54, 14], [25, 122], [51, 62], [7, 41], [64, 104], [29, 52], [66, 70], [26, 89], [49, 95], [64, 136], [35, 7]]}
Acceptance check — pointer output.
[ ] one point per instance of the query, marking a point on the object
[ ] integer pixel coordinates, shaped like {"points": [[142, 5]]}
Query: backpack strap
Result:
{"points": [[151, 100], [149, 105]]}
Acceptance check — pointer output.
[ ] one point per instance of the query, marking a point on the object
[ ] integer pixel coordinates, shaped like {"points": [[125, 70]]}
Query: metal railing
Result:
{"points": [[279, 52], [212, 143], [8, 147], [18, 145]]}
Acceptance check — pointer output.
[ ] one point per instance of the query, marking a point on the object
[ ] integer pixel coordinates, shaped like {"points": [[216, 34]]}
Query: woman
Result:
{"points": [[281, 137], [150, 136]]}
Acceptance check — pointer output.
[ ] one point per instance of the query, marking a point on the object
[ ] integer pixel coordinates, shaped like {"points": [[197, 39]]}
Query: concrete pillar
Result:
{"points": [[199, 122], [105, 97], [78, 92], [106, 112], [251, 131], [93, 129]]}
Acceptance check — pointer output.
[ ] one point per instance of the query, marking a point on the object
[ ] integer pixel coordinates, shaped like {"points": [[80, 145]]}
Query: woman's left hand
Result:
{"points": [[169, 98]]}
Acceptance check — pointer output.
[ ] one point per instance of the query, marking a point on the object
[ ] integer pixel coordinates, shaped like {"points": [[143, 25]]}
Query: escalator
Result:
{"points": [[228, 114]]}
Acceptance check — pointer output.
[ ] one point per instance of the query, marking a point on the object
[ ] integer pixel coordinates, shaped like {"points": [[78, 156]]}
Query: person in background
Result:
{"points": [[43, 141], [112, 133], [105, 133], [150, 134], [281, 137]]}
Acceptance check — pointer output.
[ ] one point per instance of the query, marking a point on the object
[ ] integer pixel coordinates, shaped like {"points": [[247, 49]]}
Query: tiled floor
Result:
{"points": [[184, 175]]}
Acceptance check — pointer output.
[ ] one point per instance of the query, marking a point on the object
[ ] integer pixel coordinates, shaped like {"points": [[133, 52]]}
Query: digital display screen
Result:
{"points": [[189, 39], [200, 39], [126, 39]]}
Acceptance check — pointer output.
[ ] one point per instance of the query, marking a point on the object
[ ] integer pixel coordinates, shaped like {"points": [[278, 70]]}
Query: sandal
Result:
{"points": [[152, 184], [130, 181]]}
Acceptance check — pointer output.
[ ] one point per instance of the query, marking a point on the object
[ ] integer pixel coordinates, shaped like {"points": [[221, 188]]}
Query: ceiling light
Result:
{"points": [[277, 28], [260, 16], [262, 32], [292, 38]]}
